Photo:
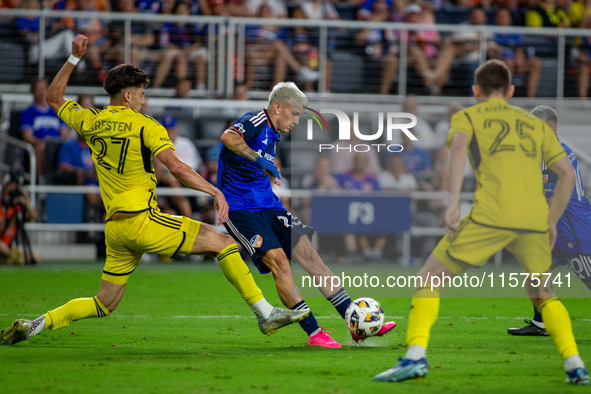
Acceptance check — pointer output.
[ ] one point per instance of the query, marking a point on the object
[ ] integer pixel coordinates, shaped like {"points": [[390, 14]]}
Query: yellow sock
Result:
{"points": [[80, 308], [559, 327], [423, 313], [239, 275]]}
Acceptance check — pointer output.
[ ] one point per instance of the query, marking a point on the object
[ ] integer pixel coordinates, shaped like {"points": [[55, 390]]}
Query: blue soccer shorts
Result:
{"points": [[259, 232]]}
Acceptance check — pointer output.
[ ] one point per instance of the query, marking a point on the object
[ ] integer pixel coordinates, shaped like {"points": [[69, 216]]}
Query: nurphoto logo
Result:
{"points": [[393, 120]]}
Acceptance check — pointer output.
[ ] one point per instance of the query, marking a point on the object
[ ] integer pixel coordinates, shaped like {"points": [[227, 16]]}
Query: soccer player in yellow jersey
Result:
{"points": [[505, 145], [122, 142]]}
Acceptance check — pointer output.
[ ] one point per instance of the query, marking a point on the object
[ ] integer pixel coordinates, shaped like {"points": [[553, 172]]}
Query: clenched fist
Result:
{"points": [[79, 46]]}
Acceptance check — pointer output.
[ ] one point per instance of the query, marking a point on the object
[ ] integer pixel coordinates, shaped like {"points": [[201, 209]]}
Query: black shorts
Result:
{"points": [[579, 263], [258, 232]]}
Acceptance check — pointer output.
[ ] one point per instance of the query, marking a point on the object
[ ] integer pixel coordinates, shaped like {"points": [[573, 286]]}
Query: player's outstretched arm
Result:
{"points": [[188, 177], [457, 162], [55, 94], [564, 189], [236, 144]]}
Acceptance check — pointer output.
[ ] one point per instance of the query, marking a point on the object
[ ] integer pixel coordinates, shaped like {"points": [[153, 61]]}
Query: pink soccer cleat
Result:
{"points": [[386, 328], [322, 339]]}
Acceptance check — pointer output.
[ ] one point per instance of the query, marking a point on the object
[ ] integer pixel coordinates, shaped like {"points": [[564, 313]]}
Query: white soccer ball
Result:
{"points": [[364, 317]]}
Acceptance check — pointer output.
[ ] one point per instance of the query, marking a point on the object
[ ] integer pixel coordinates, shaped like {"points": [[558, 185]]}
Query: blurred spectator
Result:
{"points": [[319, 9], [509, 49], [360, 178], [198, 7], [427, 53], [417, 161], [188, 153], [395, 178], [181, 91], [10, 3], [183, 46], [442, 127], [153, 6], [363, 180], [240, 94], [320, 178], [38, 123], [58, 46], [578, 12], [423, 131], [343, 155], [284, 185], [184, 147], [86, 101], [546, 14], [142, 37], [366, 9], [466, 45], [13, 195], [218, 7], [266, 46], [305, 49], [94, 29], [380, 46], [277, 8], [75, 166], [238, 8], [582, 53]]}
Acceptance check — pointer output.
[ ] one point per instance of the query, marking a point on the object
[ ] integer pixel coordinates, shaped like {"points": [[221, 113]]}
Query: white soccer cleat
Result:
{"points": [[18, 332], [279, 318]]}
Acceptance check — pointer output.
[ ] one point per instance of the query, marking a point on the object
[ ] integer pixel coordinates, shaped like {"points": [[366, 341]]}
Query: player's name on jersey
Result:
{"points": [[267, 156], [108, 125]]}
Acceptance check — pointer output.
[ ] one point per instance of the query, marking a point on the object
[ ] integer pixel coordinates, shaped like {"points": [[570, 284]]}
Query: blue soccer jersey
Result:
{"points": [[42, 122], [243, 182], [574, 227]]}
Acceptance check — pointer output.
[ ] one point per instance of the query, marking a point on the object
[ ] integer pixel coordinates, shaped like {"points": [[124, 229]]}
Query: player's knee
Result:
{"points": [[226, 240]]}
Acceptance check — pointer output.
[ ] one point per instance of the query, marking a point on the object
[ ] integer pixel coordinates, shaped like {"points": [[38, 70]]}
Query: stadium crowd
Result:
{"points": [[274, 53], [65, 159]]}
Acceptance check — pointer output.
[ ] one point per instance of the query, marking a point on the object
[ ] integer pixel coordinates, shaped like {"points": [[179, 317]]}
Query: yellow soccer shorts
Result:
{"points": [[474, 244], [130, 236]]}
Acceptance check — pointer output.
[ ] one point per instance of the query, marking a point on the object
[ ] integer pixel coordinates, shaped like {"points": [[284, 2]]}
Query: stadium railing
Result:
{"points": [[226, 40], [414, 232]]}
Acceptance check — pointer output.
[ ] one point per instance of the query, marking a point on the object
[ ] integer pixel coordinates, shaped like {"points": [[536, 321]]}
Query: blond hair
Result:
{"points": [[287, 93]]}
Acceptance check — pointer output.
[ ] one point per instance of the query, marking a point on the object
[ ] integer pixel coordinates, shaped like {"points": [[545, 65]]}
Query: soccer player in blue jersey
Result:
{"points": [[573, 242], [257, 219]]}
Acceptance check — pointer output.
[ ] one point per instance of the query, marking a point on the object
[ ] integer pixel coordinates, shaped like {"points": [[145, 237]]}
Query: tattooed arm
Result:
{"points": [[236, 144], [234, 141]]}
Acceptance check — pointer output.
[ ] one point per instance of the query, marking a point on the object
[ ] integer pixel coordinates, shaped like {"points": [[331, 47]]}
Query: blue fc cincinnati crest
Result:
{"points": [[570, 245], [256, 241]]}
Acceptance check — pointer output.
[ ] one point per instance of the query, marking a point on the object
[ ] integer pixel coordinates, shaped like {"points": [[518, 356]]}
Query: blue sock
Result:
{"points": [[341, 301], [309, 323], [537, 316]]}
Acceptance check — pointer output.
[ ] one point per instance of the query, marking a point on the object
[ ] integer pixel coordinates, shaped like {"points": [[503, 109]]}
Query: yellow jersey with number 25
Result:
{"points": [[505, 149], [122, 142]]}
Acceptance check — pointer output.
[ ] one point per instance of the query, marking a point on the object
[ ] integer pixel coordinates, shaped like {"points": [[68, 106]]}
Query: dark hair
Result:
{"points": [[493, 76], [125, 76], [35, 81]]}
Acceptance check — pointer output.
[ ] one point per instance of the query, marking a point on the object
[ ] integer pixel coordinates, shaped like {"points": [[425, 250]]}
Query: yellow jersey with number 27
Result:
{"points": [[505, 149], [122, 142]]}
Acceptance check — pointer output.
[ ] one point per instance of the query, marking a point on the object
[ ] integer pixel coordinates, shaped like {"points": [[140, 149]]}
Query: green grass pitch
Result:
{"points": [[161, 340]]}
